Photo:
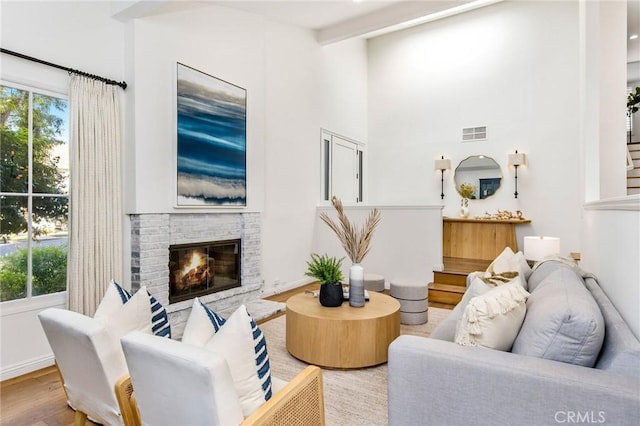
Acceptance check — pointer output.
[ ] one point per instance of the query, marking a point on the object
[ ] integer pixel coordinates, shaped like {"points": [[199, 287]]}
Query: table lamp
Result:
{"points": [[538, 247]]}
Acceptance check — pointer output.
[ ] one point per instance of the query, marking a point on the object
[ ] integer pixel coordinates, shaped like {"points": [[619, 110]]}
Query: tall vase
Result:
{"points": [[464, 207], [356, 286]]}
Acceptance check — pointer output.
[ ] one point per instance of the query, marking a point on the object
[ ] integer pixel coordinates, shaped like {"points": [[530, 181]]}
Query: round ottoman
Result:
{"points": [[413, 298], [374, 282]]}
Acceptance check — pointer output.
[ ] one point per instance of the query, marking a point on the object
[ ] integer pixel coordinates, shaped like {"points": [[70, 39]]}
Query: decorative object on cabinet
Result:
{"points": [[211, 140], [516, 160], [503, 215], [464, 207], [442, 165], [356, 242], [538, 247], [479, 172]]}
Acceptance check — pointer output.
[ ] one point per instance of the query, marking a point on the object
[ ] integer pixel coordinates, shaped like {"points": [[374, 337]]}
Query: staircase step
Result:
{"points": [[633, 173], [445, 293], [457, 279], [633, 191], [633, 182]]}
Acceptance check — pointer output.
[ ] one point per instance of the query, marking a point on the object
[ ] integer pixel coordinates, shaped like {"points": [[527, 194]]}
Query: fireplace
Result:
{"points": [[197, 269]]}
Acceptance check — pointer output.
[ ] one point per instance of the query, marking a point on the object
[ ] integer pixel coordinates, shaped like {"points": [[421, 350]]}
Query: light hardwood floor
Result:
{"points": [[37, 398]]}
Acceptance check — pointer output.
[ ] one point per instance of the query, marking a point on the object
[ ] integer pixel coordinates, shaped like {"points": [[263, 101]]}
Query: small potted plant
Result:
{"points": [[326, 269]]}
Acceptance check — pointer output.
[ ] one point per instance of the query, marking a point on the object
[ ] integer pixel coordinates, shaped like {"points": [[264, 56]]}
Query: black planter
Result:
{"points": [[331, 295]]}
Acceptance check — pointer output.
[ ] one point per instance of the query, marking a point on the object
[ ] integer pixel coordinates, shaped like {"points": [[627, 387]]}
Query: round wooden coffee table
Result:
{"points": [[342, 337]]}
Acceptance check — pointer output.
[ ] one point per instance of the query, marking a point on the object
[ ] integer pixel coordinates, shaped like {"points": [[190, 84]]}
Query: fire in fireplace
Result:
{"points": [[203, 268]]}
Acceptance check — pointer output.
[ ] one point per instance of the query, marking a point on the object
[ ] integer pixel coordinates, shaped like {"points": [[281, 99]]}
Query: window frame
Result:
{"points": [[326, 161], [31, 302]]}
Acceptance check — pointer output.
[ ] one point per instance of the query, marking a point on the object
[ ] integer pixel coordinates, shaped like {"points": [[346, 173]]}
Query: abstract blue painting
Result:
{"points": [[212, 140]]}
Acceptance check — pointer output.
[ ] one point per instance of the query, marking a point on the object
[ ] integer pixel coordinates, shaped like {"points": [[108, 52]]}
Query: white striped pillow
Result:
{"points": [[202, 324], [116, 297], [243, 345]]}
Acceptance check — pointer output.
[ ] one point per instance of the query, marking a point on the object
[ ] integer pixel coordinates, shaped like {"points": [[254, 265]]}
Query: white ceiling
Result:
{"points": [[335, 20], [312, 14]]}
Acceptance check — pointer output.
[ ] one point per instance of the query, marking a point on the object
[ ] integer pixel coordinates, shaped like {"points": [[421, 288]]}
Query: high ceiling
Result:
{"points": [[335, 20]]}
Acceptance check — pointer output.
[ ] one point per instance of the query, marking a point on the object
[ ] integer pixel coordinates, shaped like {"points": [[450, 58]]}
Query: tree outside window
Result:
{"points": [[34, 182]]}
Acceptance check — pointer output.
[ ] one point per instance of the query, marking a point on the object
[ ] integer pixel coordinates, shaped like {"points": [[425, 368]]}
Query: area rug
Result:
{"points": [[369, 385]]}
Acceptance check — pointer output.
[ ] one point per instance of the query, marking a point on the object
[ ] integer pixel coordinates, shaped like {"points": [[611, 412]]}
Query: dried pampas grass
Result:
{"points": [[355, 242]]}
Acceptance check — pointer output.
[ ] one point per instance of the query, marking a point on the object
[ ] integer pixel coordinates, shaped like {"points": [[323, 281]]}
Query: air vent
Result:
{"points": [[474, 134]]}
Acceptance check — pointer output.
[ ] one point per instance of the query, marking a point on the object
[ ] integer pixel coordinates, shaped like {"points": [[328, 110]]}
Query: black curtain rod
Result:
{"points": [[69, 70]]}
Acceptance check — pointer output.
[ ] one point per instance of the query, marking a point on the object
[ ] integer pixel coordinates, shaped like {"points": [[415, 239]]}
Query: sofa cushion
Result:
{"points": [[544, 268], [493, 319], [563, 321]]}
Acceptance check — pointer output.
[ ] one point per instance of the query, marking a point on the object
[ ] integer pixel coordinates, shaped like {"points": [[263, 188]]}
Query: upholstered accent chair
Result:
{"points": [[178, 383], [90, 362]]}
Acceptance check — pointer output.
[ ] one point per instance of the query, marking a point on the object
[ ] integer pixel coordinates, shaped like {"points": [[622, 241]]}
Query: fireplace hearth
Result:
{"points": [[152, 237], [198, 269]]}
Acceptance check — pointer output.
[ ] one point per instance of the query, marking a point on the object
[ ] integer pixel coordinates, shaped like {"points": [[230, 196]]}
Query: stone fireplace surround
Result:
{"points": [[151, 236]]}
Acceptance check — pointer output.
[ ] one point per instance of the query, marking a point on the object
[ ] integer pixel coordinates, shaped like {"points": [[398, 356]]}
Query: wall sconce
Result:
{"points": [[442, 165], [538, 247], [516, 160]]}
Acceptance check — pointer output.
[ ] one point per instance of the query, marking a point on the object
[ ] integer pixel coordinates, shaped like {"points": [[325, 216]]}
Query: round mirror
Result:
{"points": [[477, 177]]}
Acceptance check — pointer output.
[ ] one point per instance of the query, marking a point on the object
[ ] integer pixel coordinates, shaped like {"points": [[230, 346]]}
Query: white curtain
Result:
{"points": [[95, 199]]}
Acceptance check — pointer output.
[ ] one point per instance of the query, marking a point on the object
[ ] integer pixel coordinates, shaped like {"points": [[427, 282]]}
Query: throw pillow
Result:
{"points": [[202, 324], [563, 322], [507, 266], [121, 312], [112, 301], [446, 330], [493, 319], [241, 343], [133, 315]]}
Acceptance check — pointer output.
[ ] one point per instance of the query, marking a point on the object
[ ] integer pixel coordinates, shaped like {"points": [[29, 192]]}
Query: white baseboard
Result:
{"points": [[26, 367]]}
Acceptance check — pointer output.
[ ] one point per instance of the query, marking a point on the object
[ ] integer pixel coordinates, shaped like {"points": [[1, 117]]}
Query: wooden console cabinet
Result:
{"points": [[481, 239], [468, 245]]}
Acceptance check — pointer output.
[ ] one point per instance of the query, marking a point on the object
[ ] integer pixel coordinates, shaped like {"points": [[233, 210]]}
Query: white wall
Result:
{"points": [[72, 34], [611, 249], [220, 42], [344, 89], [289, 89], [406, 244], [292, 164], [513, 67], [611, 225]]}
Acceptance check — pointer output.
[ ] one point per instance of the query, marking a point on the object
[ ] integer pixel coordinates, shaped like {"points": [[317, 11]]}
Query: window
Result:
{"points": [[629, 118], [34, 183], [342, 168]]}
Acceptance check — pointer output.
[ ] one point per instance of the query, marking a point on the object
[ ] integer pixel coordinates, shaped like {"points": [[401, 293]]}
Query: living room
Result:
{"points": [[544, 77]]}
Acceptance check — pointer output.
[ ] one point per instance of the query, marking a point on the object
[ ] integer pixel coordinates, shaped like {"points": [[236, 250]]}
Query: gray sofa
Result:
{"points": [[434, 381]]}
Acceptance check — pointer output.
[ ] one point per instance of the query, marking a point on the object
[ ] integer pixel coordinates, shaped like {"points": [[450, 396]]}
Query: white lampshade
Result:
{"points": [[517, 159], [443, 164], [538, 247]]}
